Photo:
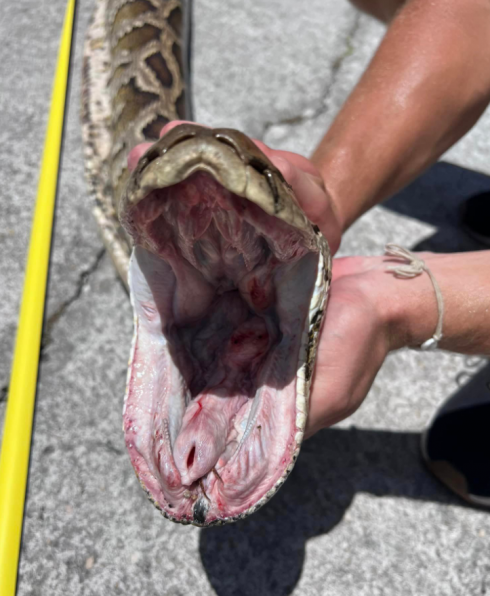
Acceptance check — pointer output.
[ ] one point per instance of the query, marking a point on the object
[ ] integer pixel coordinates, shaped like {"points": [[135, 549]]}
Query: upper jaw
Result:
{"points": [[229, 156]]}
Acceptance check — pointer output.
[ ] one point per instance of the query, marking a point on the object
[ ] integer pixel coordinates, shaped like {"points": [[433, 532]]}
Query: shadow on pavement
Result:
{"points": [[264, 554], [436, 198]]}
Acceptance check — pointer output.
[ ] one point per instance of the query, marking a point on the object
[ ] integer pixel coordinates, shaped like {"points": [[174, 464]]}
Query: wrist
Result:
{"points": [[465, 287], [405, 312], [414, 313]]}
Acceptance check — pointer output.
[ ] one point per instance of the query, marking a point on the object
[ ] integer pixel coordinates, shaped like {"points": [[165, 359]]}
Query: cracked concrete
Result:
{"points": [[31, 34], [290, 56], [62, 308], [313, 113], [359, 515], [359, 43]]}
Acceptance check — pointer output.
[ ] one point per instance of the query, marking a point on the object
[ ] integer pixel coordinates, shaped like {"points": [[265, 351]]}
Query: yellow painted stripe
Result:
{"points": [[14, 457]]}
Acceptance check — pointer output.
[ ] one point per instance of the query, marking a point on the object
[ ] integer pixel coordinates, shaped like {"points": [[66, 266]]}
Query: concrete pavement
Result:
{"points": [[359, 515]]}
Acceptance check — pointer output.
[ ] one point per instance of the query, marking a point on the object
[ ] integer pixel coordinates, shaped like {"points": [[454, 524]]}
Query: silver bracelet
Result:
{"points": [[415, 267]]}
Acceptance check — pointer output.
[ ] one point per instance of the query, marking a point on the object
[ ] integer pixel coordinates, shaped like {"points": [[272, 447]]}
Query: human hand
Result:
{"points": [[300, 173], [356, 336]]}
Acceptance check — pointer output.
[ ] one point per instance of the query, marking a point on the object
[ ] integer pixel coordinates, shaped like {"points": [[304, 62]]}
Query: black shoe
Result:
{"points": [[456, 445], [475, 217]]}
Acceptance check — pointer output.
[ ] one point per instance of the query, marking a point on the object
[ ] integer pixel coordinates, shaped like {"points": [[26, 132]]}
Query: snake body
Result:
{"points": [[135, 80]]}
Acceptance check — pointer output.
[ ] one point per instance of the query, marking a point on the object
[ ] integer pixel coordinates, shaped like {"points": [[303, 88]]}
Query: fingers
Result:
{"points": [[312, 197], [298, 160], [309, 189], [347, 368]]}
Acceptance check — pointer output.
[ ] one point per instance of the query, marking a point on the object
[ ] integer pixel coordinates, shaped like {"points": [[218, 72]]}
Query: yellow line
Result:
{"points": [[14, 457]]}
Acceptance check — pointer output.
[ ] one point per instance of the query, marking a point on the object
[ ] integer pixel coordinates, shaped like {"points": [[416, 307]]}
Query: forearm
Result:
{"points": [[427, 85], [464, 280]]}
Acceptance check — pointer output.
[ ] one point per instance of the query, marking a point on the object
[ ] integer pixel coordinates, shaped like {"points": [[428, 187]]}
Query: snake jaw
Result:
{"points": [[228, 294]]}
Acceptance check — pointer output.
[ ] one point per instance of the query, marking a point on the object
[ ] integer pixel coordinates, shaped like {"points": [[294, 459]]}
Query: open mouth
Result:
{"points": [[228, 293]]}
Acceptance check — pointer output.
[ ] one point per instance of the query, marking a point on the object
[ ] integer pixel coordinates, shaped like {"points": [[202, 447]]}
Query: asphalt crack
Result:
{"points": [[327, 92], [60, 311]]}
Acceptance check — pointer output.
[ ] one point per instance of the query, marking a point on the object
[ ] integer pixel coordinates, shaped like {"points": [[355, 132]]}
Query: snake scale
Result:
{"points": [[228, 279]]}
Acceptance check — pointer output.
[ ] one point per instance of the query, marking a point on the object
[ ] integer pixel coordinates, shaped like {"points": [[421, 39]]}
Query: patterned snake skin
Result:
{"points": [[135, 80]]}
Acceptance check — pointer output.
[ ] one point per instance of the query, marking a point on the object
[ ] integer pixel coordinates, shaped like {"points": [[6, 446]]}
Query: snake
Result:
{"points": [[227, 277]]}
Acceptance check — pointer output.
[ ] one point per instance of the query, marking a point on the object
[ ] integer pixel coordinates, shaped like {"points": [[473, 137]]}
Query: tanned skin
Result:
{"points": [[426, 86]]}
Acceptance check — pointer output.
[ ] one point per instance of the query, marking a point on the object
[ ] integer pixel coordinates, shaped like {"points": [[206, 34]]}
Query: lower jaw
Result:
{"points": [[257, 459], [246, 475]]}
